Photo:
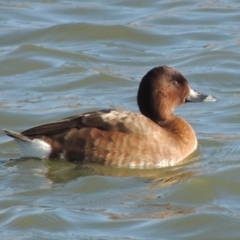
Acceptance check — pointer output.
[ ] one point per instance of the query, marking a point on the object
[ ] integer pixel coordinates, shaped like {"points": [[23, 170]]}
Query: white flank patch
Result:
{"points": [[34, 148]]}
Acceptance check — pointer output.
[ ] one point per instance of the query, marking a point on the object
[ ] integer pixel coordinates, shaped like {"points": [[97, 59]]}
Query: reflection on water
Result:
{"points": [[63, 171], [157, 211]]}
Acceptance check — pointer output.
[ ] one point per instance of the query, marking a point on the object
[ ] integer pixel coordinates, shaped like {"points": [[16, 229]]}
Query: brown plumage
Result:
{"points": [[154, 138]]}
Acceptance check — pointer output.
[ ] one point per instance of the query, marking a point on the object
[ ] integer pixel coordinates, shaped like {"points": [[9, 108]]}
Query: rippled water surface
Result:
{"points": [[60, 58]]}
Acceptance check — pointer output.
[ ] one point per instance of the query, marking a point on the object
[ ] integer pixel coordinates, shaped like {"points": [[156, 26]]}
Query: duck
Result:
{"points": [[152, 138]]}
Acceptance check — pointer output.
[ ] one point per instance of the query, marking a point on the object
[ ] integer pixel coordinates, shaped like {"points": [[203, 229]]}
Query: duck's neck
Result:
{"points": [[181, 132]]}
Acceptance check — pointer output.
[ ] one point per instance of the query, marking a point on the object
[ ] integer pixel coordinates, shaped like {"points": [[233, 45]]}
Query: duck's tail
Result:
{"points": [[17, 135], [35, 147]]}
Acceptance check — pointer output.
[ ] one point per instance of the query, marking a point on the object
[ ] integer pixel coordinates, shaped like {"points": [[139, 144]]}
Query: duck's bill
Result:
{"points": [[194, 96]]}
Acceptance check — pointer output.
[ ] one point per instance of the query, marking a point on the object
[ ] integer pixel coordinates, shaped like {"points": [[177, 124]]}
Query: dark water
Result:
{"points": [[60, 58]]}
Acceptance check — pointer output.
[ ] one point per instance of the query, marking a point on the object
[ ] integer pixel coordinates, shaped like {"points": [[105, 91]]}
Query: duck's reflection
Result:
{"points": [[64, 171]]}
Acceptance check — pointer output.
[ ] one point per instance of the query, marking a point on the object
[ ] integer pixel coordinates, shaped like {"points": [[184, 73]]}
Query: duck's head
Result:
{"points": [[163, 89]]}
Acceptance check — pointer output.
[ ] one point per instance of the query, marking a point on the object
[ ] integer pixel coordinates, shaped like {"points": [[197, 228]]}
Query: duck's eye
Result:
{"points": [[175, 82]]}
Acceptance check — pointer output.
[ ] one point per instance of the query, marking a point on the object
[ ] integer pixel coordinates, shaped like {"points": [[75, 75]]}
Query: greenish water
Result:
{"points": [[60, 58]]}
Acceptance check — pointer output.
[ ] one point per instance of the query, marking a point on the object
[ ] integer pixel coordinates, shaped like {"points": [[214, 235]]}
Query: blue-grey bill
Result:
{"points": [[195, 96]]}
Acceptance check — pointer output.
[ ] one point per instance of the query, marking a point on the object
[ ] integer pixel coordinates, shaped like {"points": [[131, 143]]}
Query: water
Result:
{"points": [[59, 58]]}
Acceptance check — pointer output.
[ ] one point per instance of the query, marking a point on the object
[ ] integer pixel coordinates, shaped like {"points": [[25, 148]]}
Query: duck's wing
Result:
{"points": [[106, 120]]}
